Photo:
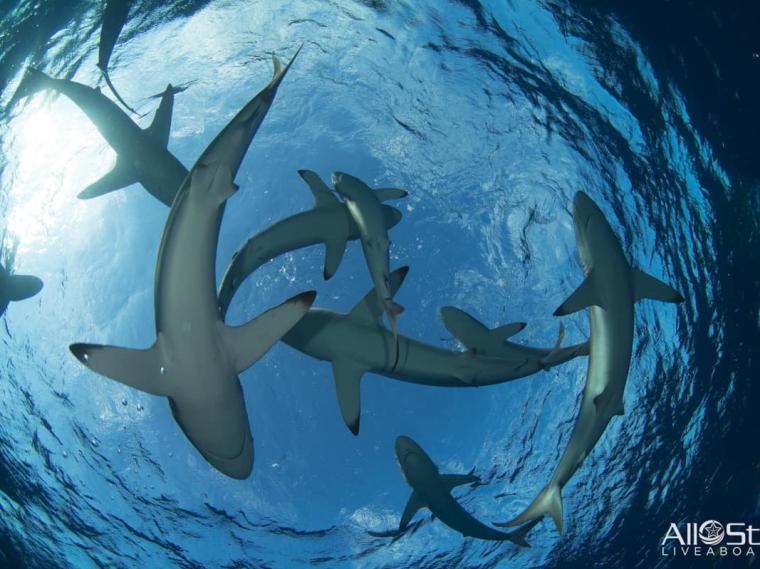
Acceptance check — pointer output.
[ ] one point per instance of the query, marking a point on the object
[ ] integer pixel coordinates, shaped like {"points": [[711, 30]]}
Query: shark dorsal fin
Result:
{"points": [[323, 196], [475, 335], [369, 309], [412, 507]]}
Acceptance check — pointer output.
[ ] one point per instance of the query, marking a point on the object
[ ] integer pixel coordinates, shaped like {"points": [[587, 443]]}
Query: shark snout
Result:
{"points": [[584, 209], [405, 447]]}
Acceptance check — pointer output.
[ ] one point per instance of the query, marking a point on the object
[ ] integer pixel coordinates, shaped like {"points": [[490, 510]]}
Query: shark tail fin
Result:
{"points": [[646, 286], [21, 287], [549, 501]]}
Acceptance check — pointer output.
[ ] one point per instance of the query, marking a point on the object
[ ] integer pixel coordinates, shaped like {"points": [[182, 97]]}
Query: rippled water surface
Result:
{"points": [[492, 116]]}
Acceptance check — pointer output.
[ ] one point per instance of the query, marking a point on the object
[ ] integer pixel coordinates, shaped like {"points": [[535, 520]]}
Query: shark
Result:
{"points": [[610, 290], [355, 343], [14, 288], [364, 206], [196, 358], [432, 490], [141, 154], [115, 16], [328, 222]]}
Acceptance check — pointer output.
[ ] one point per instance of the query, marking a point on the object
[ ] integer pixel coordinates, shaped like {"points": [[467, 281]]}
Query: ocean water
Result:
{"points": [[492, 115]]}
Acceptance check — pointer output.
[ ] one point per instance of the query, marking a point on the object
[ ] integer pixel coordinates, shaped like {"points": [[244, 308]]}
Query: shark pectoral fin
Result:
{"points": [[391, 216], [120, 176], [584, 296], [20, 287], [412, 507], [335, 246], [348, 377], [369, 309], [502, 333], [160, 128], [323, 196], [519, 536], [141, 369], [451, 481], [606, 400], [385, 194], [247, 343], [646, 286]]}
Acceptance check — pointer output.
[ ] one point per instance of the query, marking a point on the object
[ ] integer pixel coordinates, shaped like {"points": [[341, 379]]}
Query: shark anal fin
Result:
{"points": [[20, 287], [369, 310], [605, 400], [385, 194], [348, 390], [646, 286], [412, 507], [451, 481], [140, 369], [247, 343], [323, 196], [584, 296], [120, 176]]}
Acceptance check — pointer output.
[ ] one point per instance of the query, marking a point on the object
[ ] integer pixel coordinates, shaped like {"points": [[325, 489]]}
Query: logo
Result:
{"points": [[710, 539]]}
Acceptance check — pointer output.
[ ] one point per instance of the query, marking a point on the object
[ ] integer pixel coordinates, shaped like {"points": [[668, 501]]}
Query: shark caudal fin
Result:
{"points": [[21, 287], [646, 286], [548, 502]]}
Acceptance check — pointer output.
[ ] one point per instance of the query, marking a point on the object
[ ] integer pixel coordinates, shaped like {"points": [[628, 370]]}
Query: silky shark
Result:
{"points": [[609, 291], [329, 222], [196, 358], [16, 287], [432, 490], [114, 17], [355, 343], [365, 208], [141, 154]]}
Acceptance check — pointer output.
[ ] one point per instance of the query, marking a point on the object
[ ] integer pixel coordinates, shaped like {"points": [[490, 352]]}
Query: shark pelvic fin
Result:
{"points": [[646, 286], [369, 309], [385, 194], [584, 296], [140, 369], [412, 507], [120, 176], [348, 377], [473, 334], [549, 501], [323, 196], [247, 343], [20, 287], [451, 481]]}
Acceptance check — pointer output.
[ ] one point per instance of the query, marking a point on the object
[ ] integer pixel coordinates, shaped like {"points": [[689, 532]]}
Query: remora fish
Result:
{"points": [[609, 292], [14, 288], [364, 207], [355, 344], [196, 359], [114, 17], [432, 490], [141, 154], [329, 222]]}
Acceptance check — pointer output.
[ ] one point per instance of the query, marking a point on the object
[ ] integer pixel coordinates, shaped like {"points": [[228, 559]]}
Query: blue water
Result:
{"points": [[491, 115]]}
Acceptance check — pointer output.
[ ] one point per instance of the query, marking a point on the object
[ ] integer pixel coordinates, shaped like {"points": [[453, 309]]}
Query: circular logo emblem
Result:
{"points": [[711, 532]]}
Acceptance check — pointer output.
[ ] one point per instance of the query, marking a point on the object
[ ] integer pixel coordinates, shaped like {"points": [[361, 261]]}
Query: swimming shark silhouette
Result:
{"points": [[196, 358], [609, 292], [329, 222], [114, 17], [364, 206], [355, 343], [141, 154], [14, 288], [432, 490]]}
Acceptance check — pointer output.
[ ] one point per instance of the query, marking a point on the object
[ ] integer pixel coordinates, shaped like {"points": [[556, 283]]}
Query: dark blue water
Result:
{"points": [[491, 115]]}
